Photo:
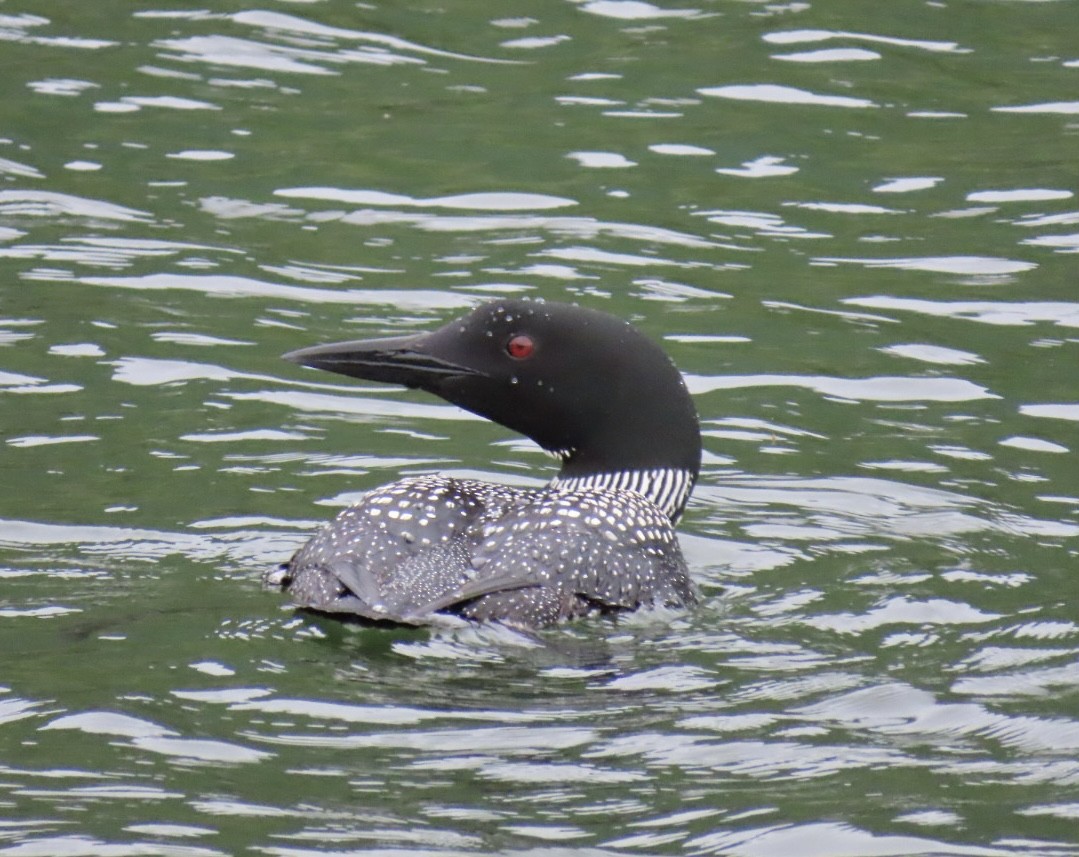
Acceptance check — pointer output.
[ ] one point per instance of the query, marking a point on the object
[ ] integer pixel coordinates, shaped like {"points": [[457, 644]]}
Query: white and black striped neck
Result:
{"points": [[668, 488]]}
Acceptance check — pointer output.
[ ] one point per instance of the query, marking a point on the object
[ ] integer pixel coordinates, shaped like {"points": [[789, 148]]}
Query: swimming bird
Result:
{"points": [[587, 387]]}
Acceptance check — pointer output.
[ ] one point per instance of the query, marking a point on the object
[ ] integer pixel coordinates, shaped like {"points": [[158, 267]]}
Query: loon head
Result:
{"points": [[584, 385]]}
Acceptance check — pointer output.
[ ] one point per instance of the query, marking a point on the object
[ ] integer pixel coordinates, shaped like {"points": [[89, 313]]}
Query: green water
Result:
{"points": [[854, 226]]}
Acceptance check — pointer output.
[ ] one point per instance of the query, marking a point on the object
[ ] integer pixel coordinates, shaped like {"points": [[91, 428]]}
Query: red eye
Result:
{"points": [[520, 347]]}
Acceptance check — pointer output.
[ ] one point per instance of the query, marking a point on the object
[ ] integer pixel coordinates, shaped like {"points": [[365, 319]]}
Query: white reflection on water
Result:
{"points": [[535, 42], [1032, 444], [762, 222], [1018, 195], [675, 679], [285, 55], [132, 103], [680, 149], [108, 723], [37, 612], [12, 379], [13, 708], [255, 548], [195, 339], [80, 349], [233, 287], [244, 436], [748, 758], [601, 160], [384, 715], [1054, 412], [936, 354], [277, 21], [766, 166], [774, 93], [494, 201], [199, 750], [63, 86], [1063, 107], [482, 741], [246, 53], [1065, 243], [146, 735], [633, 10], [987, 312], [354, 404], [14, 168], [899, 709], [52, 205], [880, 389], [836, 839], [582, 227], [170, 830], [1036, 682], [606, 257], [148, 372], [908, 184], [201, 155], [15, 28], [855, 208], [903, 611], [830, 55], [973, 265], [50, 440], [792, 37], [89, 846]]}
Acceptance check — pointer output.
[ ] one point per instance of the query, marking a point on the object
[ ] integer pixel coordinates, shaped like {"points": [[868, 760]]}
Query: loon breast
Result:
{"points": [[598, 539]]}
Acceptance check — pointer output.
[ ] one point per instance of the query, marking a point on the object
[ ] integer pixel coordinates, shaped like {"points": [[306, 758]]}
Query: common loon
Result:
{"points": [[599, 538]]}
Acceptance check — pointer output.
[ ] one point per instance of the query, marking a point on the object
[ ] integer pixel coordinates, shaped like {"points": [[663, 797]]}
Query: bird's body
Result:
{"points": [[598, 539], [415, 548]]}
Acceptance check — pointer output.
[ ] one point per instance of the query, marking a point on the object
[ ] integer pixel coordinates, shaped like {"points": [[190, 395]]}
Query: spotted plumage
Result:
{"points": [[599, 539]]}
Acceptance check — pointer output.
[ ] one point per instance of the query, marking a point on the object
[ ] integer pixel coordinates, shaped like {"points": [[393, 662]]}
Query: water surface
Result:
{"points": [[856, 235]]}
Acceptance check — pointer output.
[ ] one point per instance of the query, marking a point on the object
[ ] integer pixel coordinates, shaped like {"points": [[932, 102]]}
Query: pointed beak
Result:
{"points": [[394, 360]]}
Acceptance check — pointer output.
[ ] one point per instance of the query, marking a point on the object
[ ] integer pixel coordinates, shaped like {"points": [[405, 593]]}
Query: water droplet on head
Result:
{"points": [[513, 379]]}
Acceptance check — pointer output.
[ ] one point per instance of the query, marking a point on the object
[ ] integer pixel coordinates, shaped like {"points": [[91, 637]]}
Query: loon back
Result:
{"points": [[585, 386]]}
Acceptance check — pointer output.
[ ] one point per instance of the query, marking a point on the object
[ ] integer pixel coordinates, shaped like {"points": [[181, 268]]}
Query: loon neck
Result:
{"points": [[667, 487], [642, 435]]}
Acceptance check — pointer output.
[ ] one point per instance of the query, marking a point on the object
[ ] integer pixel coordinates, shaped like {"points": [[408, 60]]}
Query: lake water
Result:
{"points": [[853, 225]]}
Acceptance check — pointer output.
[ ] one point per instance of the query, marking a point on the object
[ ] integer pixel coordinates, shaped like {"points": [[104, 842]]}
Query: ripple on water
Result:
{"points": [[803, 36], [491, 740], [237, 287], [280, 53], [494, 201], [830, 839], [778, 94], [146, 735], [879, 389], [1015, 313]]}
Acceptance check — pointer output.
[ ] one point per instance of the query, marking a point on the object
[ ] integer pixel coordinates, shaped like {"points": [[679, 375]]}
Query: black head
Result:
{"points": [[581, 383]]}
